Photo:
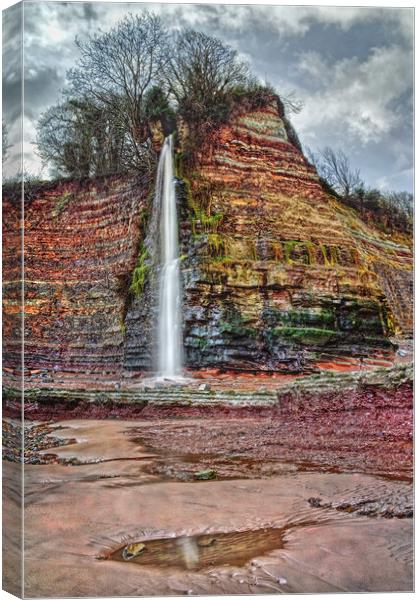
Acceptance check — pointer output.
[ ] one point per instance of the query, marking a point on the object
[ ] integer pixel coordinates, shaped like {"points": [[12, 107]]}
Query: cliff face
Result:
{"points": [[81, 244], [271, 264], [12, 287], [274, 264]]}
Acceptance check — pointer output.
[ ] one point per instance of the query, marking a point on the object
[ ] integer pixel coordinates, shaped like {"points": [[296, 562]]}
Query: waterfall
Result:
{"points": [[169, 334]]}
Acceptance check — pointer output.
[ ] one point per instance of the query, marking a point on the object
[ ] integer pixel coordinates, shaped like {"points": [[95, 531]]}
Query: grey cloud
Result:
{"points": [[12, 86], [322, 52], [38, 84]]}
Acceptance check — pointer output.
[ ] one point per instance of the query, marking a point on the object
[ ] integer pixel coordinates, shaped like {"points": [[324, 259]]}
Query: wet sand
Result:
{"points": [[293, 530]]}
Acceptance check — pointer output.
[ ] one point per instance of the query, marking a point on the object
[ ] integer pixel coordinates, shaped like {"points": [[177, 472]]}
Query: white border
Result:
{"points": [[360, 3]]}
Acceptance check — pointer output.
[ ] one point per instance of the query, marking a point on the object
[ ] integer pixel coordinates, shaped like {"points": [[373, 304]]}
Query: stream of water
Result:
{"points": [[169, 354]]}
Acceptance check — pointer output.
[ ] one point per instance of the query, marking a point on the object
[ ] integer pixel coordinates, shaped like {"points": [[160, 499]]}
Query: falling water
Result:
{"points": [[169, 313]]}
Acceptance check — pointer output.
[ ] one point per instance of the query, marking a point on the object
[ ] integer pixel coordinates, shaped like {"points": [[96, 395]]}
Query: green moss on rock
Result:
{"points": [[140, 272], [306, 335]]}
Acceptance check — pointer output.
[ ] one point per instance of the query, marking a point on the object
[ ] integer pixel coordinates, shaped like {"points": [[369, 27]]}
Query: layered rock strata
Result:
{"points": [[81, 245], [12, 284], [273, 264]]}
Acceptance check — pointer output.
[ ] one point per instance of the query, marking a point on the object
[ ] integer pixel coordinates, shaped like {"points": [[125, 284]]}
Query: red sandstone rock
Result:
{"points": [[281, 247]]}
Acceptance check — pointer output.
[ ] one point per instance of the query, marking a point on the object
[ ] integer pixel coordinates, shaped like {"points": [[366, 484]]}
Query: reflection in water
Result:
{"points": [[196, 552]]}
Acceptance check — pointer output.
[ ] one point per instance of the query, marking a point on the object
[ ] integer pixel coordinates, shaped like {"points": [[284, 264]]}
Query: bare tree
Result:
{"points": [[334, 167], [201, 71], [5, 141], [117, 68], [292, 104], [401, 200], [58, 140], [386, 210], [80, 139]]}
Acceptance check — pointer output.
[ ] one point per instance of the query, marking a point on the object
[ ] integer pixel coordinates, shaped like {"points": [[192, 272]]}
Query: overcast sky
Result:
{"points": [[351, 67]]}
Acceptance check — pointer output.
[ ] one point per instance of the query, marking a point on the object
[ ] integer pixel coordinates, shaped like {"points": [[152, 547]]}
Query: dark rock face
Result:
{"points": [[139, 343]]}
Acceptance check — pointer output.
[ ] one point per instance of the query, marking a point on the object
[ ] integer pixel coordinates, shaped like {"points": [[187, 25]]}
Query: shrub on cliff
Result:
{"points": [[200, 73], [389, 211], [140, 272], [79, 138], [158, 108]]}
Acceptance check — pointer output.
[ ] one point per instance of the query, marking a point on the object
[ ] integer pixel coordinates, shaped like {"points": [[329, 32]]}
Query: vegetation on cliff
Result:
{"points": [[140, 272], [137, 74], [390, 211], [130, 77]]}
